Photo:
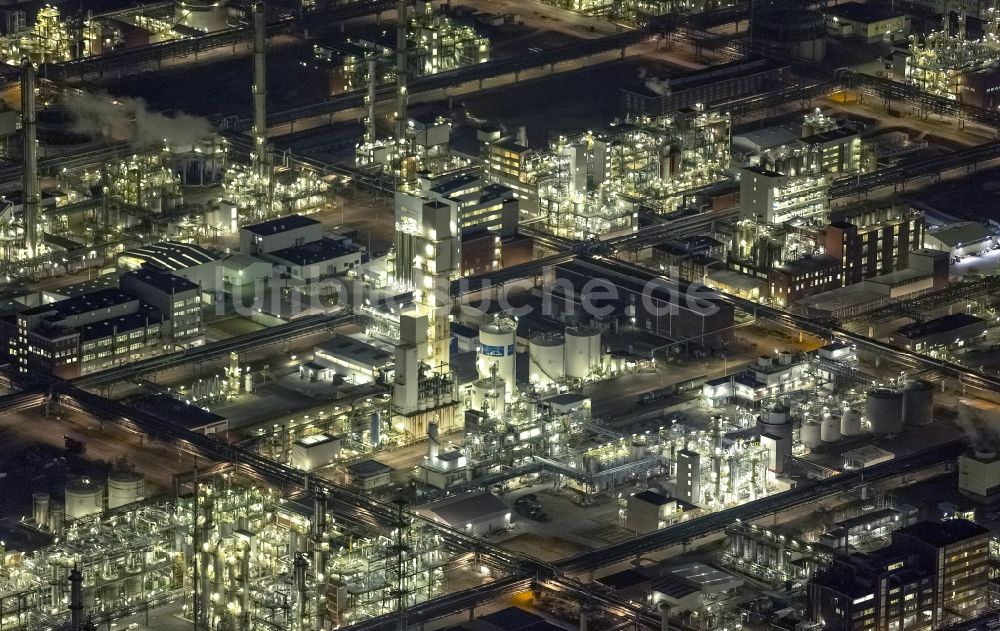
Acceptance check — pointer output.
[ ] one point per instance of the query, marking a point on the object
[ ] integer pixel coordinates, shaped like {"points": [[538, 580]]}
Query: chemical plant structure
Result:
{"points": [[719, 364]]}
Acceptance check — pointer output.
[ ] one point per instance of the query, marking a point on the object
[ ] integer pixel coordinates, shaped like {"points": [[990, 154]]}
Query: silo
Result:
{"points": [[496, 348], [547, 356], [850, 422], [830, 426], [40, 509], [125, 487], [583, 352], [918, 402], [57, 518], [884, 410], [84, 497], [810, 434]]}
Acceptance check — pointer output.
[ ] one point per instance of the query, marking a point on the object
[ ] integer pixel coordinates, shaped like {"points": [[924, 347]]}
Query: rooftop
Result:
{"points": [[652, 497], [355, 351], [808, 264], [624, 579], [281, 224], [468, 508], [84, 303], [171, 256], [832, 135], [176, 412], [326, 249], [963, 232], [368, 468], [945, 533], [937, 326], [163, 281], [858, 12]]}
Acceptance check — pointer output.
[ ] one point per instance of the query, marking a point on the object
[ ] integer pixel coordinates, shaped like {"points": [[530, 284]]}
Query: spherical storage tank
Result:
{"points": [[547, 357], [830, 426], [850, 422], [125, 487], [884, 410], [918, 402], [583, 352], [810, 434], [84, 497], [496, 347]]}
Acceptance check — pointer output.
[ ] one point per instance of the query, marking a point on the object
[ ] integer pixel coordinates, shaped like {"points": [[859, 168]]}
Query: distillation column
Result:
{"points": [[262, 160], [30, 155], [76, 600]]}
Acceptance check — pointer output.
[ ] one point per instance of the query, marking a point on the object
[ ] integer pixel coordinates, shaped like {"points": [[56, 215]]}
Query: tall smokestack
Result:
{"points": [[76, 600], [402, 18], [30, 153], [370, 97], [262, 151]]}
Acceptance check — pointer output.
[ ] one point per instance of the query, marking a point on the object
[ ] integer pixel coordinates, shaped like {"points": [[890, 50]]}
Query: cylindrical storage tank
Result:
{"points": [[496, 348], [40, 509], [57, 518], [810, 434], [850, 422], [547, 356], [125, 487], [583, 352], [830, 427], [84, 497], [884, 409], [776, 420], [918, 402], [487, 393]]}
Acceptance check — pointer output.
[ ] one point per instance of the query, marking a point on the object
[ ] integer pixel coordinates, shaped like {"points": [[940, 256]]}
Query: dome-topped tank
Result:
{"points": [[810, 434], [546, 354], [84, 496], [850, 422]]}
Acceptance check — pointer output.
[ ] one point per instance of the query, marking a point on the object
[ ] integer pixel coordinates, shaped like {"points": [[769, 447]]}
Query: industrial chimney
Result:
{"points": [[262, 152], [76, 600], [30, 154], [402, 18]]}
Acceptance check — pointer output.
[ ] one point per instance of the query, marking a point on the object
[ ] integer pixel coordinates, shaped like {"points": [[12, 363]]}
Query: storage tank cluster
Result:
{"points": [[87, 496], [889, 408], [46, 514]]}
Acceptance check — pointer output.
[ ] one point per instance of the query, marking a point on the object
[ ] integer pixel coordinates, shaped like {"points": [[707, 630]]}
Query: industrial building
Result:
{"points": [[901, 585]]}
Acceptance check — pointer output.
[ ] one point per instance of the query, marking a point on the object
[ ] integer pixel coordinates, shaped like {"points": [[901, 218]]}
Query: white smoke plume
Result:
{"points": [[129, 119], [980, 425], [655, 84]]}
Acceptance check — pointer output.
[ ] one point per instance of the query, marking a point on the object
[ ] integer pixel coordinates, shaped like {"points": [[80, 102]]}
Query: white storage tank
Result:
{"points": [[810, 434], [40, 509], [884, 409], [850, 422], [497, 348], [583, 352], [918, 402], [830, 426], [84, 496], [57, 518], [487, 393], [125, 487], [546, 354]]}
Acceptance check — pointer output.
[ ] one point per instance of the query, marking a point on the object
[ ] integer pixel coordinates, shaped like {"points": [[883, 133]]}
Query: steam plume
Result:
{"points": [[130, 119]]}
